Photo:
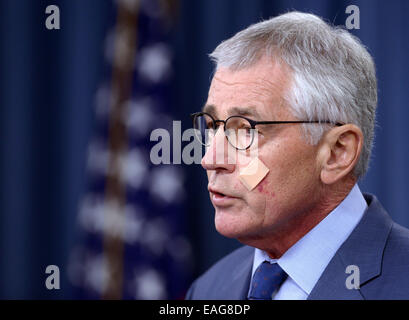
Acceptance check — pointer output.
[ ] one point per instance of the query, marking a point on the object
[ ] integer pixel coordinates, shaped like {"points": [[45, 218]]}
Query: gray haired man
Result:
{"points": [[308, 92]]}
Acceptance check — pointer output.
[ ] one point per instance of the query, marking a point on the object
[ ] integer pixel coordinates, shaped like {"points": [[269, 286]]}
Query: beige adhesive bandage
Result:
{"points": [[252, 175]]}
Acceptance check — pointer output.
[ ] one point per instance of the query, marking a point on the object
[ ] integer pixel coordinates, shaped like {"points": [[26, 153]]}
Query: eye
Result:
{"points": [[247, 128], [209, 124], [205, 121]]}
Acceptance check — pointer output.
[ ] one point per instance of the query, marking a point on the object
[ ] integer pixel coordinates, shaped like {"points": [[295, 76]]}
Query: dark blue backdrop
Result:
{"points": [[47, 88]]}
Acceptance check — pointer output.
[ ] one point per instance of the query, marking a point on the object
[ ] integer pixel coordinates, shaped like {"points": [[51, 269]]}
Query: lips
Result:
{"points": [[220, 198], [218, 192]]}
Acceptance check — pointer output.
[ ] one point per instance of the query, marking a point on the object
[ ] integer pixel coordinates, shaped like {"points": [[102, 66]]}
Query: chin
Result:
{"points": [[226, 231], [225, 226], [231, 226]]}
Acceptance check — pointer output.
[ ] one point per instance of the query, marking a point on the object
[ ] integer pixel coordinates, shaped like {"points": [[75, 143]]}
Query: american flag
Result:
{"points": [[132, 220]]}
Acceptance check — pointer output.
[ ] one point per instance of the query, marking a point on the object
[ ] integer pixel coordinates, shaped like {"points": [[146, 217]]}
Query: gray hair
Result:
{"points": [[333, 73]]}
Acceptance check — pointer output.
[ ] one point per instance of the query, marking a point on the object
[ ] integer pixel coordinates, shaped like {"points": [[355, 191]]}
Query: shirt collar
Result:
{"points": [[307, 259]]}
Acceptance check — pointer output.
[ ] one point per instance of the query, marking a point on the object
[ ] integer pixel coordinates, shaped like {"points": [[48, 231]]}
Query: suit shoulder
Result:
{"points": [[238, 255], [220, 273], [398, 240], [400, 232], [393, 281]]}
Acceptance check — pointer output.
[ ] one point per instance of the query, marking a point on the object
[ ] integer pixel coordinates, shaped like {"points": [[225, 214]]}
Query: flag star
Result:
{"points": [[167, 184], [133, 167], [139, 115], [149, 285], [154, 62], [114, 221], [97, 273], [91, 213], [101, 216]]}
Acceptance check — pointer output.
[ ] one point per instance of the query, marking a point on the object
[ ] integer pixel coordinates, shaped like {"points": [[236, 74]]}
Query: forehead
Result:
{"points": [[256, 90]]}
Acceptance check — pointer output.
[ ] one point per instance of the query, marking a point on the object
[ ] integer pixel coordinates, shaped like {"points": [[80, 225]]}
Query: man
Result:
{"points": [[305, 94]]}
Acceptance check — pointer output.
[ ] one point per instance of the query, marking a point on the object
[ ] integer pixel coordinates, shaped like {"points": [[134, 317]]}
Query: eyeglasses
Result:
{"points": [[239, 130]]}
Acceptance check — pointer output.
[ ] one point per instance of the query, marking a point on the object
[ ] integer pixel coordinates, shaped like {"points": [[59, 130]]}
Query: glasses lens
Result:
{"points": [[204, 128], [239, 132]]}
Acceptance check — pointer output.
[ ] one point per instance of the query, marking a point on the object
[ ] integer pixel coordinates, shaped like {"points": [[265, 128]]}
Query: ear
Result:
{"points": [[339, 152]]}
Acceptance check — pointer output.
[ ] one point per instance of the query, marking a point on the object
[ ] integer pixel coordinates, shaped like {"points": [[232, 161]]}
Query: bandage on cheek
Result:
{"points": [[253, 173]]}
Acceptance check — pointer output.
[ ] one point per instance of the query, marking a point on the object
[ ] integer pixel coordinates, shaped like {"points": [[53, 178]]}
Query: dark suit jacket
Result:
{"points": [[378, 246]]}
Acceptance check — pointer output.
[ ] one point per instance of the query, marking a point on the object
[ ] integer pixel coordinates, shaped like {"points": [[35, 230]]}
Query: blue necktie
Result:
{"points": [[266, 280]]}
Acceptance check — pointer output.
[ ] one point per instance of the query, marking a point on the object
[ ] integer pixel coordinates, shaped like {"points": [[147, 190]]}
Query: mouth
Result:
{"points": [[219, 198]]}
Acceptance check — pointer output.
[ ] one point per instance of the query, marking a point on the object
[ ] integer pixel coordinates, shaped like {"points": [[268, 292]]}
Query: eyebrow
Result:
{"points": [[209, 108], [239, 111]]}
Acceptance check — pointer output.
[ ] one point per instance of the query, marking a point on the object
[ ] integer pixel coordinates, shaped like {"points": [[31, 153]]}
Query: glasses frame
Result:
{"points": [[253, 124]]}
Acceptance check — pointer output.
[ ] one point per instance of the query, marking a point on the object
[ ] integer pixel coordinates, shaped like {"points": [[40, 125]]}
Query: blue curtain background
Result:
{"points": [[47, 89]]}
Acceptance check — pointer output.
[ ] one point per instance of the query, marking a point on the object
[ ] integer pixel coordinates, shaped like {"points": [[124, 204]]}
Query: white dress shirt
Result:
{"points": [[307, 259]]}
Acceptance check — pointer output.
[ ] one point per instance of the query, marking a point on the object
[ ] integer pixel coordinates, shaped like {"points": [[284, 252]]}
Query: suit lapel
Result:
{"points": [[331, 285], [364, 249]]}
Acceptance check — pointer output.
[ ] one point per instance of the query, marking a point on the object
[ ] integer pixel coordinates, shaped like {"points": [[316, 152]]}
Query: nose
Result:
{"points": [[220, 155]]}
